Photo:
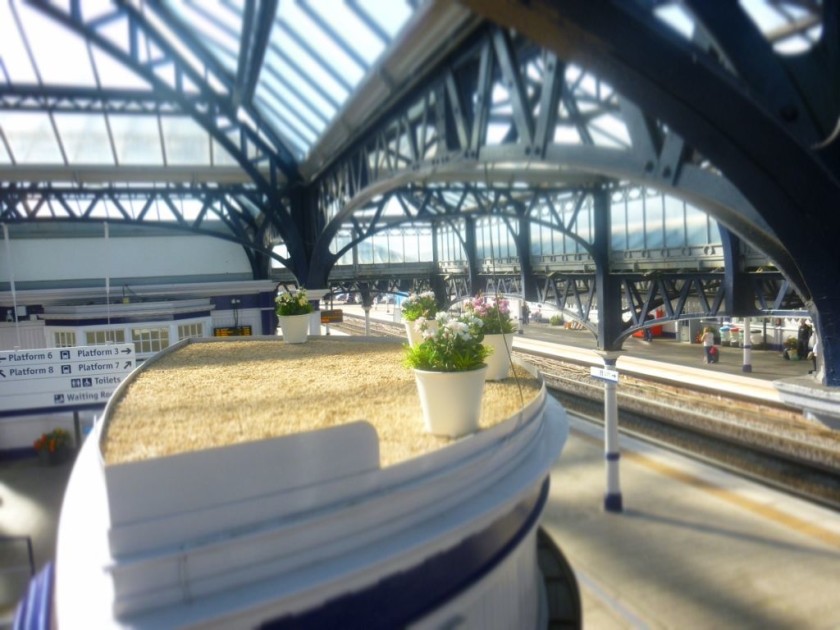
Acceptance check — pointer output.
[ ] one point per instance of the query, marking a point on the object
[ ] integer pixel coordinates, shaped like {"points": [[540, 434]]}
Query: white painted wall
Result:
{"points": [[123, 257], [22, 431], [25, 335]]}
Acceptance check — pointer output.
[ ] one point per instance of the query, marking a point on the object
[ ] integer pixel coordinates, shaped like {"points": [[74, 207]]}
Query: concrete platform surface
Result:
{"points": [[694, 547]]}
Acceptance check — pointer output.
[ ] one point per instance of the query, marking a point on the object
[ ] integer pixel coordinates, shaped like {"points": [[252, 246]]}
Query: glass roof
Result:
{"points": [[287, 73], [284, 68]]}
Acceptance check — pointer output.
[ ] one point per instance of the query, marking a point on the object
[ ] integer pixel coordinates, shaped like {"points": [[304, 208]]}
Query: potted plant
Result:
{"points": [[791, 351], [53, 448], [418, 308], [449, 370], [498, 333], [293, 309]]}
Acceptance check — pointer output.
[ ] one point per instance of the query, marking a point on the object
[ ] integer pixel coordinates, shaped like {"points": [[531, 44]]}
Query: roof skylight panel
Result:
{"points": [[283, 125], [31, 138], [137, 139], [675, 16], [391, 16], [16, 63], [5, 149], [275, 95], [337, 55], [792, 27], [219, 156], [219, 28], [85, 138], [309, 71], [113, 74], [291, 81], [186, 143], [348, 30], [59, 55]]}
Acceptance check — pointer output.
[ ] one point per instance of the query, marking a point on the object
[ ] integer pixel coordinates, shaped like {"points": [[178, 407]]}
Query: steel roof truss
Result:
{"points": [[155, 63], [513, 80]]}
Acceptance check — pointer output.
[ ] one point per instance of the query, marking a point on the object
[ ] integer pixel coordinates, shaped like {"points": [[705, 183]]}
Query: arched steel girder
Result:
{"points": [[233, 208], [557, 209], [442, 133], [749, 124], [145, 51], [429, 205], [678, 296]]}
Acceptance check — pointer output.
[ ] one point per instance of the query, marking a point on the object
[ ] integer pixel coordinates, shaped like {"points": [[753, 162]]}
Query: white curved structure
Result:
{"points": [[309, 531]]}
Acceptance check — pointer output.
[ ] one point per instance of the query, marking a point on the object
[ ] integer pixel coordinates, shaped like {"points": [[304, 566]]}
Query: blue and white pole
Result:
{"points": [[366, 308], [747, 366], [612, 454]]}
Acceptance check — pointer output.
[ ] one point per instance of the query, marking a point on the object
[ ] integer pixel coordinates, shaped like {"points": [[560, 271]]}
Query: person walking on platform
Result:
{"points": [[708, 340], [802, 337]]}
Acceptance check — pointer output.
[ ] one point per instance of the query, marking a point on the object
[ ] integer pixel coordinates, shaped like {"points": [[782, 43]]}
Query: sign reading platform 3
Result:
{"points": [[62, 377], [604, 374]]}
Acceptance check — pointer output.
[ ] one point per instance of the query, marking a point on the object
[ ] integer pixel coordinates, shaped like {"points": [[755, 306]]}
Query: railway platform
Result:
{"points": [[694, 547]]}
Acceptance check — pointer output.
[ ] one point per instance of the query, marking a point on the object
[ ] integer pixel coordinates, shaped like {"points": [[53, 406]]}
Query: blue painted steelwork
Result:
{"points": [[407, 597], [748, 128], [35, 610], [505, 119]]}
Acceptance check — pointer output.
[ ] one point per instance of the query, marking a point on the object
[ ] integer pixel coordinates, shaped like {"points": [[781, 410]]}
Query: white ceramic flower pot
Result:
{"points": [[498, 363], [451, 401], [415, 337], [295, 327]]}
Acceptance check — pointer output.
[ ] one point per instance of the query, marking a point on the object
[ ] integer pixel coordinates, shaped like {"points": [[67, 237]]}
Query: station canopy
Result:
{"points": [[98, 91], [94, 92]]}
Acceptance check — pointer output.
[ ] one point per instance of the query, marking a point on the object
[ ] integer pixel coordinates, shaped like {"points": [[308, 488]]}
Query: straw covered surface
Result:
{"points": [[212, 394]]}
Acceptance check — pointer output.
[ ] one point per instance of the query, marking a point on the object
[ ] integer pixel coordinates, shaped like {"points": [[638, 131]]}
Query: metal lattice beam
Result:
{"points": [[231, 213], [749, 127], [150, 55], [442, 134]]}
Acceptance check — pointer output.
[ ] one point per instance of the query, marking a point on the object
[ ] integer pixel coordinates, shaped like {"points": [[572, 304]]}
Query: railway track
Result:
{"points": [[767, 443]]}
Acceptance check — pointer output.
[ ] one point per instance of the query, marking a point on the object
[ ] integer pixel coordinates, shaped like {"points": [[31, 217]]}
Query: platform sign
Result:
{"points": [[335, 316], [62, 377], [604, 374], [231, 331]]}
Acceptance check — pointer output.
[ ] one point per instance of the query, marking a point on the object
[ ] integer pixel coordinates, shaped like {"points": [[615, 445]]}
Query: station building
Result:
{"points": [[166, 167]]}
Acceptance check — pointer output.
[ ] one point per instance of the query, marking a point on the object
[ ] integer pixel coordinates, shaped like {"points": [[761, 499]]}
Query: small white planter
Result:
{"points": [[415, 337], [451, 401], [498, 363], [295, 327]]}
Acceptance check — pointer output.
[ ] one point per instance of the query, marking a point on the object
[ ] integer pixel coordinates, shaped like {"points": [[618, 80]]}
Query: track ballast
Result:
{"points": [[771, 444]]}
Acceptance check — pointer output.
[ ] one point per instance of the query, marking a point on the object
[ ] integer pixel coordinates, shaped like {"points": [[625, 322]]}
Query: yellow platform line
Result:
{"points": [[766, 511]]}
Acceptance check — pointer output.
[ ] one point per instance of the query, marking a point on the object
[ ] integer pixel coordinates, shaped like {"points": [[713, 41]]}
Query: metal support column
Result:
{"points": [[747, 366], [612, 499]]}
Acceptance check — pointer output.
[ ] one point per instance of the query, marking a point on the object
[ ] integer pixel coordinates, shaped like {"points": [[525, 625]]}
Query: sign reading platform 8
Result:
{"points": [[62, 377]]}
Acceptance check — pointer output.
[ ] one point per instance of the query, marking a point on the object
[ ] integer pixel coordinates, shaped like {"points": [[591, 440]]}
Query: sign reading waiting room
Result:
{"points": [[46, 378]]}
